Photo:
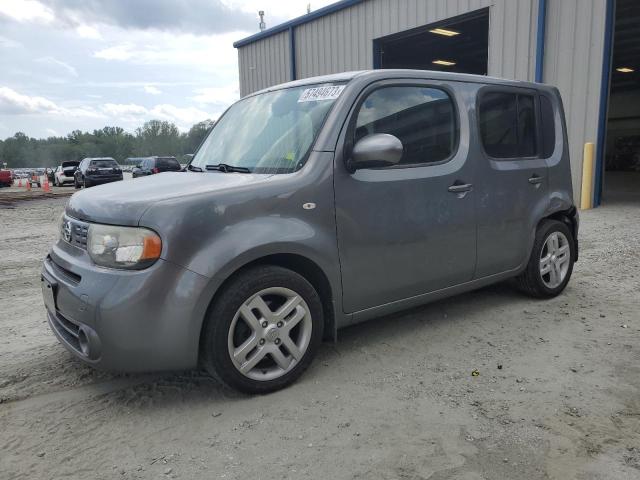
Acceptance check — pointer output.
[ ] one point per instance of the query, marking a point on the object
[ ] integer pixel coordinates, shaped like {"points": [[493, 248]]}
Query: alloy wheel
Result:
{"points": [[270, 333], [555, 259]]}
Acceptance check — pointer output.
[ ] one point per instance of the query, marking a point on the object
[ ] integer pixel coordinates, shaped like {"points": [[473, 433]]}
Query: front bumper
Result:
{"points": [[129, 321]]}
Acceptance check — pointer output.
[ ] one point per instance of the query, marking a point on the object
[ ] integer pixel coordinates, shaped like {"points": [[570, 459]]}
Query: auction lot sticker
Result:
{"points": [[321, 93]]}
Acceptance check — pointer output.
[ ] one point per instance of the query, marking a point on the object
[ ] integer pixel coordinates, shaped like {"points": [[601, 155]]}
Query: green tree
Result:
{"points": [[155, 137]]}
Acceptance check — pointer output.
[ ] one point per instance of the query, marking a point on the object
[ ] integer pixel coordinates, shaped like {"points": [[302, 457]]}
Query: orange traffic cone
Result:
{"points": [[20, 182], [45, 185], [28, 184]]}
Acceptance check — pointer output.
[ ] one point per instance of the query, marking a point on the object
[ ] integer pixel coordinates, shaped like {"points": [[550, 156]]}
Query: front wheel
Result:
{"points": [[263, 330], [86, 183], [551, 263], [75, 183]]}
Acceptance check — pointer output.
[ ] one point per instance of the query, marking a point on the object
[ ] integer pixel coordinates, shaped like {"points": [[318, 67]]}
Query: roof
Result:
{"points": [[309, 17], [383, 74]]}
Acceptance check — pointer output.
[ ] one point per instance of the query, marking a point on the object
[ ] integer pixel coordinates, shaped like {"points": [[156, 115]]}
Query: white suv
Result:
{"points": [[64, 173]]}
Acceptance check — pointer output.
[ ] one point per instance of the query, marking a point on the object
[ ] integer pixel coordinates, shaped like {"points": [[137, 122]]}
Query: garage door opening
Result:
{"points": [[459, 44], [622, 147]]}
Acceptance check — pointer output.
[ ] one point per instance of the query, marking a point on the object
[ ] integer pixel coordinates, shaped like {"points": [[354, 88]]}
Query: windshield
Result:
{"points": [[271, 132]]}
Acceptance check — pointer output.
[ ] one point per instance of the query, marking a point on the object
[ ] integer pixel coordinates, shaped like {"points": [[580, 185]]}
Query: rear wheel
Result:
{"points": [[551, 263], [263, 331]]}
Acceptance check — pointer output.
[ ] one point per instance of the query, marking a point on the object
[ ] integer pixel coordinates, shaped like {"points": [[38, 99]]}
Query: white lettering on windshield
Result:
{"points": [[321, 93]]}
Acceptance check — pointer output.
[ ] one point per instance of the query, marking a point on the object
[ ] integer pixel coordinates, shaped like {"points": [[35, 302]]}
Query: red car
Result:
{"points": [[6, 179]]}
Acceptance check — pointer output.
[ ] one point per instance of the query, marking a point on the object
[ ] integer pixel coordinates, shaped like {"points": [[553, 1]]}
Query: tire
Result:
{"points": [[86, 183], [226, 330], [76, 185], [557, 260]]}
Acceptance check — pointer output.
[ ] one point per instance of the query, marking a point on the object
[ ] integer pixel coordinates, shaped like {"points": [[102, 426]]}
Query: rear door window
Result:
{"points": [[104, 163], [168, 163], [508, 124]]}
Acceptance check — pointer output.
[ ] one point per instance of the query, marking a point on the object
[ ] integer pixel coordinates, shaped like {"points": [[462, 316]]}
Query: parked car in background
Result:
{"points": [[96, 171], [151, 165], [65, 173], [130, 163], [34, 179], [6, 178], [312, 206]]}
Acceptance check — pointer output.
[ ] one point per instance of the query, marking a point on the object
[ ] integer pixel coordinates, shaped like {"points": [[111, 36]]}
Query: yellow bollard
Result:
{"points": [[586, 200]]}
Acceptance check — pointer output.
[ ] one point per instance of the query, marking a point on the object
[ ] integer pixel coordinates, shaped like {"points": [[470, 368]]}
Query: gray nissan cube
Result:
{"points": [[311, 206]]}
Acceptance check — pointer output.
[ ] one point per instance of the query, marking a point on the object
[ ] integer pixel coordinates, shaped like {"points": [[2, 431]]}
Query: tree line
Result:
{"points": [[155, 137]]}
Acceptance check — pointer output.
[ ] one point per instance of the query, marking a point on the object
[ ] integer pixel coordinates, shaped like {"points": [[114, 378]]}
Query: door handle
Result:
{"points": [[460, 187], [535, 179]]}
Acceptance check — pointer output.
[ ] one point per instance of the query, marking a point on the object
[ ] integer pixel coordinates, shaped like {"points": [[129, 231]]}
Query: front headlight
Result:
{"points": [[123, 247]]}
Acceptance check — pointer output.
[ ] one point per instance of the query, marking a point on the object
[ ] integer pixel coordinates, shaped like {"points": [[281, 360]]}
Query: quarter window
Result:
{"points": [[507, 125], [424, 120], [548, 127]]}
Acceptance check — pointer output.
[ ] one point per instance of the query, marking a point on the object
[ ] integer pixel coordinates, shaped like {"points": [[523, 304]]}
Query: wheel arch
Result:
{"points": [[570, 218], [303, 266]]}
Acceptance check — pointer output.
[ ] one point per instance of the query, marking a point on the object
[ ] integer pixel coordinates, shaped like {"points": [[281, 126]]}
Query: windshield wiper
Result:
{"points": [[192, 168], [223, 167]]}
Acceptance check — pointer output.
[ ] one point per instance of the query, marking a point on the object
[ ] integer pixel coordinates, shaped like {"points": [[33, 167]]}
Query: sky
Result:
{"points": [[82, 64]]}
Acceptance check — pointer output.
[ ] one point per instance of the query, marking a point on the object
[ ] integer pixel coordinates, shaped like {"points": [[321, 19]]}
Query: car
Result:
{"points": [[6, 178], [96, 171], [311, 206], [34, 179], [64, 173], [152, 165]]}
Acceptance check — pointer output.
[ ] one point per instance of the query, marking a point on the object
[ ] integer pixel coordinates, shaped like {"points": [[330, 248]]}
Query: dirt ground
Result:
{"points": [[558, 395]]}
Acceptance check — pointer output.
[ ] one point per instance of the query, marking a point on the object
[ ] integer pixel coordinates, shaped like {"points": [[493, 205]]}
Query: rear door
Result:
{"points": [[511, 179], [408, 229]]}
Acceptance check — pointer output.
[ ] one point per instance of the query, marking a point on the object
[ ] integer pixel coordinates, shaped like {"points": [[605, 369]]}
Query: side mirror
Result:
{"points": [[377, 150]]}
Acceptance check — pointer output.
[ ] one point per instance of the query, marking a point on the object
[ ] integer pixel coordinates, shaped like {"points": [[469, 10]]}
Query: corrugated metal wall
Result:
{"points": [[343, 41], [264, 63], [573, 62]]}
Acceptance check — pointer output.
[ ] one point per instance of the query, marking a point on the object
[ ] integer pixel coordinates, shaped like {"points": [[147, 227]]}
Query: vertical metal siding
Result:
{"points": [[264, 63], [573, 62], [343, 41], [345, 38]]}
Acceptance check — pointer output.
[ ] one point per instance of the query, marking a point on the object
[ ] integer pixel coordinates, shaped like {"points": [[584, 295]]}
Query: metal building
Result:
{"points": [[567, 43]]}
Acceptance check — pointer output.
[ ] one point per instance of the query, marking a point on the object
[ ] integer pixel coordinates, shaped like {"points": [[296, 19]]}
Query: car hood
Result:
{"points": [[124, 203]]}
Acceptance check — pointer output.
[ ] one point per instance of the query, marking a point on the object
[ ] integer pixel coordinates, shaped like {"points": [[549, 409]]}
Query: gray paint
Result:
{"points": [[384, 240], [343, 41]]}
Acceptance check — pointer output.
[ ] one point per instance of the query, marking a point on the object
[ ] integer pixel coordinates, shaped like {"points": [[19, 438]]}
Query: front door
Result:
{"points": [[408, 229]]}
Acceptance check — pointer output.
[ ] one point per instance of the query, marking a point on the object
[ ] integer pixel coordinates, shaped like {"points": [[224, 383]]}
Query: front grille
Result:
{"points": [[80, 235], [76, 234], [63, 272], [68, 330]]}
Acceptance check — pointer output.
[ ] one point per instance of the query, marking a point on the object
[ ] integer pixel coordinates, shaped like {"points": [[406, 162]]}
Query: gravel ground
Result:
{"points": [[558, 395]]}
